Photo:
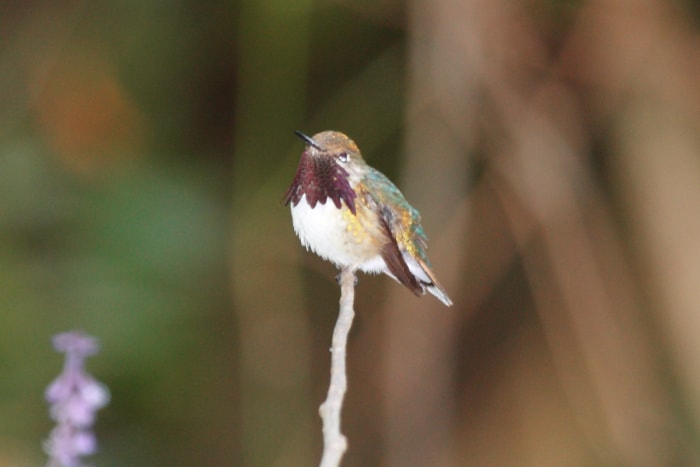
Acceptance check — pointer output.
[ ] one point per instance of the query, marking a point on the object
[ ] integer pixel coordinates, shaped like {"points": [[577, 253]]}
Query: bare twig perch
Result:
{"points": [[334, 443]]}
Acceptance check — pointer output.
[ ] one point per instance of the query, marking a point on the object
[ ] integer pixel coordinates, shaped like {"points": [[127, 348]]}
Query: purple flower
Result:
{"points": [[74, 398]]}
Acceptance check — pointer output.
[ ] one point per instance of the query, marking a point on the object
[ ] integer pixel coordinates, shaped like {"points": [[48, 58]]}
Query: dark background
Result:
{"points": [[552, 147]]}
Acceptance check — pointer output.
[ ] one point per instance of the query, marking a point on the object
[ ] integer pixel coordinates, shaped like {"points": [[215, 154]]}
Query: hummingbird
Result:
{"points": [[352, 215]]}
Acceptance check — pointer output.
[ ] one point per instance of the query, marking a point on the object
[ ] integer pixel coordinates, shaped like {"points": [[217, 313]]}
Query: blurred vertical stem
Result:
{"points": [[273, 40], [418, 360]]}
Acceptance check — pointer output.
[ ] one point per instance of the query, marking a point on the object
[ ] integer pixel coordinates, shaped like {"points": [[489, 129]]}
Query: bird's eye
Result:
{"points": [[343, 157]]}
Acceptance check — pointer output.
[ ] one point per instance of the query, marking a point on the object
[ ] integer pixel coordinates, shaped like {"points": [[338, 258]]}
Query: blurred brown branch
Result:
{"points": [[546, 105]]}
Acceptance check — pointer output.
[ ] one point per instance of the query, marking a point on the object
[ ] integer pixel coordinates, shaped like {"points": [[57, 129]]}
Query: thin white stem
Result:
{"points": [[334, 443]]}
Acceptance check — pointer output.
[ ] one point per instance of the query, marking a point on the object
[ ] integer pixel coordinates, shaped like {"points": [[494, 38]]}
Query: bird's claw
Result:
{"points": [[340, 275]]}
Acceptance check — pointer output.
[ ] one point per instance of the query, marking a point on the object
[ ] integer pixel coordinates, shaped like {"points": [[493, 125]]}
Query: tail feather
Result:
{"points": [[436, 290], [428, 280]]}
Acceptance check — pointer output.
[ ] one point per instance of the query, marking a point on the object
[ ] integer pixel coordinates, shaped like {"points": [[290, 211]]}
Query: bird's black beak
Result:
{"points": [[308, 140]]}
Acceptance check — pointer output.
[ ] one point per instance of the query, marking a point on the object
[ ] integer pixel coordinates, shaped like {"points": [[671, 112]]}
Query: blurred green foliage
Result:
{"points": [[115, 185], [117, 135]]}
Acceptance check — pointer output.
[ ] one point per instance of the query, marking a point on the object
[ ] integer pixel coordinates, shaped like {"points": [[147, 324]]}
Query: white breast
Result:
{"points": [[323, 230]]}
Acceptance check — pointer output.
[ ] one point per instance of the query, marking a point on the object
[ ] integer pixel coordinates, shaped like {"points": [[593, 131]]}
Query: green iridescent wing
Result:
{"points": [[401, 223], [403, 218]]}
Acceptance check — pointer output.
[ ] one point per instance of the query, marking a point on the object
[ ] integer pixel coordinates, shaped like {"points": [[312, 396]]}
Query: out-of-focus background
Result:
{"points": [[552, 147]]}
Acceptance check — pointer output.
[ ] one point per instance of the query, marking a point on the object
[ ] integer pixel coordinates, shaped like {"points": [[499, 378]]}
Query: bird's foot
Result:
{"points": [[340, 274]]}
